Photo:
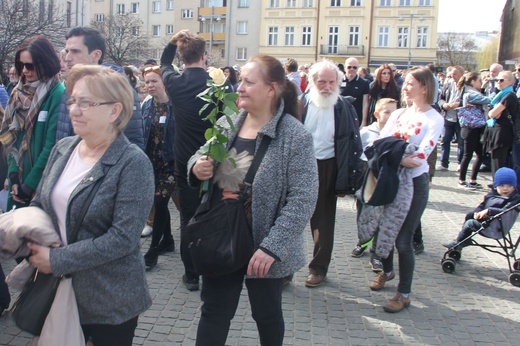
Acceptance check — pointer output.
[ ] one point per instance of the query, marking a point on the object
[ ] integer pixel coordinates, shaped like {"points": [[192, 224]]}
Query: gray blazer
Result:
{"points": [[285, 189], [105, 262]]}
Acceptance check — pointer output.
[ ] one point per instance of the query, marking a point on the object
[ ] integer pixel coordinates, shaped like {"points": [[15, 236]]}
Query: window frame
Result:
{"points": [[383, 36], [354, 35], [404, 35], [243, 56], [272, 36], [306, 36], [244, 24], [422, 37], [158, 27]]}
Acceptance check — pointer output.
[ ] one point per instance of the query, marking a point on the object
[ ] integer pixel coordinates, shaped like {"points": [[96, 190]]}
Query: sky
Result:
{"points": [[470, 15]]}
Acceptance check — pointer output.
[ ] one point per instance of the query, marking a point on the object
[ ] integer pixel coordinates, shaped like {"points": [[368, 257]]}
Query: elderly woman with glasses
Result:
{"points": [[28, 129], [499, 135], [158, 136], [105, 262]]}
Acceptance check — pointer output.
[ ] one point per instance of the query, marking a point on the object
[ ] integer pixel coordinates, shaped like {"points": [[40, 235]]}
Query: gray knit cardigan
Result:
{"points": [[105, 262], [284, 191]]}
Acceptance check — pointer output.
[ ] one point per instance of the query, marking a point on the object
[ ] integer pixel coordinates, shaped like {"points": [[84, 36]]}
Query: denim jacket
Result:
{"points": [[146, 110]]}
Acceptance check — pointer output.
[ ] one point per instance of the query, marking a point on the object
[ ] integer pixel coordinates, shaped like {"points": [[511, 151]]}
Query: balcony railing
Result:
{"points": [[342, 50], [218, 37]]}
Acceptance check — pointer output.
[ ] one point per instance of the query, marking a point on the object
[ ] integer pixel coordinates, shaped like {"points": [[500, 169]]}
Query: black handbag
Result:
{"points": [[35, 301], [220, 240]]}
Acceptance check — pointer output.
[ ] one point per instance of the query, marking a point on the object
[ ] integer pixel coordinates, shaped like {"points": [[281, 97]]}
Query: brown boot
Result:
{"points": [[397, 303], [380, 280]]}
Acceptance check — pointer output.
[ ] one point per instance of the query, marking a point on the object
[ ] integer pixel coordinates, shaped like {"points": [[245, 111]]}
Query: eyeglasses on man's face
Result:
{"points": [[352, 67], [84, 105]]}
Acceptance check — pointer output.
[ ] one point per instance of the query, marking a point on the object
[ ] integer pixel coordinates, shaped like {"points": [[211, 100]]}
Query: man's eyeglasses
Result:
{"points": [[501, 80], [84, 105], [29, 66], [352, 67]]}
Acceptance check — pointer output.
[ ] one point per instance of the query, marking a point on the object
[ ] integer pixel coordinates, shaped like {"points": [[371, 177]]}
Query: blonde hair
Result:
{"points": [[383, 102], [106, 84]]}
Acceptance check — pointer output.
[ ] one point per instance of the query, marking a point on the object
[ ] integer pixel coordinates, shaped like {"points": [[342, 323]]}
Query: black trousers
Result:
{"points": [[324, 218], [161, 221], [498, 158], [220, 298], [472, 144], [189, 201], [5, 297], [110, 334]]}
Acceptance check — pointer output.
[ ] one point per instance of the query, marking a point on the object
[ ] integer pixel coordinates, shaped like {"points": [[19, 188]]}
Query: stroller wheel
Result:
{"points": [[455, 254], [514, 278], [516, 265], [448, 265]]}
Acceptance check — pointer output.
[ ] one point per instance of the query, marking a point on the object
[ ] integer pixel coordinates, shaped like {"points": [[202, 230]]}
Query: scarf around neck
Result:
{"points": [[498, 97], [21, 113]]}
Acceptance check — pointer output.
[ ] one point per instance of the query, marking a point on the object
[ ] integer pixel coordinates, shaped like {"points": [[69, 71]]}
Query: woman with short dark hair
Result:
{"points": [[28, 130]]}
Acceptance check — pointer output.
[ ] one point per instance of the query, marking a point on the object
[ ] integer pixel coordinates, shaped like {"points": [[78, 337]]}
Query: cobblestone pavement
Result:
{"points": [[474, 305]]}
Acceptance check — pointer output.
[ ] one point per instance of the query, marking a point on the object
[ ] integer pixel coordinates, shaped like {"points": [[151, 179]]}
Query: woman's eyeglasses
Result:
{"points": [[84, 105], [151, 68], [29, 66]]}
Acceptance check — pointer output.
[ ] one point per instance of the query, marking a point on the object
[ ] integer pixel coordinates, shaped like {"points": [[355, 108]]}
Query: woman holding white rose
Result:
{"points": [[283, 197]]}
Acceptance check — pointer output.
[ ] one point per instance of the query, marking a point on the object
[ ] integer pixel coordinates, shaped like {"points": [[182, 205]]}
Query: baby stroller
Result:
{"points": [[505, 247]]}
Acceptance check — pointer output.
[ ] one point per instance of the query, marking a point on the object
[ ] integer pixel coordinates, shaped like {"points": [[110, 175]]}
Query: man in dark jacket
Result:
{"points": [[87, 46], [334, 126]]}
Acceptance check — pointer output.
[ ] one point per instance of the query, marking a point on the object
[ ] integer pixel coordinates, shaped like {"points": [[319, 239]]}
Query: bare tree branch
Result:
{"points": [[126, 40], [456, 49], [21, 19]]}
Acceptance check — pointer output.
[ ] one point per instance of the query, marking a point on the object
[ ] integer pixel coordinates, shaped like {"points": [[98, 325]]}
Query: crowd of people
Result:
{"points": [[70, 121]]}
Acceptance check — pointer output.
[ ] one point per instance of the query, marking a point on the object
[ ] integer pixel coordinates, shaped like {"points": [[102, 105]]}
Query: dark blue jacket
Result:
{"points": [[169, 133], [4, 96]]}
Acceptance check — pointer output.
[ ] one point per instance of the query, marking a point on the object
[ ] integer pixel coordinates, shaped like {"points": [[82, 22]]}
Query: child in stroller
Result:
{"points": [[493, 218]]}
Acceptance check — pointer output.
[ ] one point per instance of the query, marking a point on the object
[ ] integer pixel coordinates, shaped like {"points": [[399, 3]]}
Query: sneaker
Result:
{"points": [[474, 186], [358, 251], [191, 284], [418, 248], [462, 185], [452, 245], [397, 303], [380, 280], [315, 280], [376, 264], [147, 230], [441, 168]]}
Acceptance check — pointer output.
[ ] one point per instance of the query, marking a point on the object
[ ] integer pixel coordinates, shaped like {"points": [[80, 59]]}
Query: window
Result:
{"points": [[355, 3], [68, 14], [306, 36], [275, 3], [100, 17], [383, 35], [291, 3], [134, 7], [243, 3], [422, 36], [135, 30], [425, 3], [404, 2], [156, 6], [156, 30], [402, 37], [119, 31], [308, 3], [353, 36], [335, 3], [120, 9], [289, 35], [333, 39], [169, 29], [385, 3], [223, 53], [241, 53], [187, 14], [169, 4], [273, 36], [241, 28]]}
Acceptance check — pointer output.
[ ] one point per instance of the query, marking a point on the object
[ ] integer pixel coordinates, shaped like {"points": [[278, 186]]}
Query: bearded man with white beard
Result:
{"points": [[334, 126]]}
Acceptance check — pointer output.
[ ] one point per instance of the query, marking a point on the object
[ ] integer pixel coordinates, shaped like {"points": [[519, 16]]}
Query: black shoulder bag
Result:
{"points": [[34, 303], [220, 240]]}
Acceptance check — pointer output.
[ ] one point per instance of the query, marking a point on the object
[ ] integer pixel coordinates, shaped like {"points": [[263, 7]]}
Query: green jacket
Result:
{"points": [[42, 141]]}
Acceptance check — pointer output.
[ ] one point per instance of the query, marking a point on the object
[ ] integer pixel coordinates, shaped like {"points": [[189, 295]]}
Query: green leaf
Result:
{"points": [[231, 97], [204, 92], [230, 122], [204, 108], [231, 105], [221, 138], [210, 133], [233, 162], [218, 152]]}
